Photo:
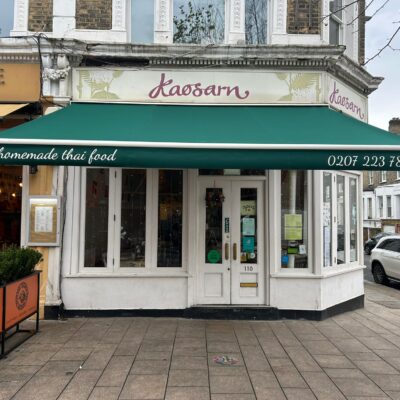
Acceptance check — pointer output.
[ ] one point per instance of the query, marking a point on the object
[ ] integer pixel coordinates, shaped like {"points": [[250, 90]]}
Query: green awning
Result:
{"points": [[183, 136]]}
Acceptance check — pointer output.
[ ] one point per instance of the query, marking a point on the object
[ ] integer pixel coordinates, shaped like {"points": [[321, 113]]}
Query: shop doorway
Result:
{"points": [[10, 205], [231, 240]]}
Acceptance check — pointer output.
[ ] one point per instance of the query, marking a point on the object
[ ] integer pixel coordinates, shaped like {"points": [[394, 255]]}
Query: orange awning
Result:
{"points": [[6, 109]]}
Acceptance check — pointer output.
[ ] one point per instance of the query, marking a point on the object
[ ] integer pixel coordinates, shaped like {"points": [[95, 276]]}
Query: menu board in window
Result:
{"points": [[44, 220]]}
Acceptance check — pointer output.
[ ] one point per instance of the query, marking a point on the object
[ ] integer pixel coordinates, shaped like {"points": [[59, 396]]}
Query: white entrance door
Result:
{"points": [[230, 241]]}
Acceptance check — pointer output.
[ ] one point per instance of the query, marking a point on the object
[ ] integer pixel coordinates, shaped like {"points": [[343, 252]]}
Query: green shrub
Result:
{"points": [[16, 263]]}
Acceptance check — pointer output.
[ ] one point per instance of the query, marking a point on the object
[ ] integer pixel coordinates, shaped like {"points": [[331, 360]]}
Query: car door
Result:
{"points": [[390, 256], [393, 268]]}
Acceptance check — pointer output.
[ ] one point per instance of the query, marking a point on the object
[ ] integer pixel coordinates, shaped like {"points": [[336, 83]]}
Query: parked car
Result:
{"points": [[385, 259], [372, 242]]}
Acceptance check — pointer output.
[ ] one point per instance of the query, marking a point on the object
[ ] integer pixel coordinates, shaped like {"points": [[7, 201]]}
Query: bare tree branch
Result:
{"points": [[384, 47]]}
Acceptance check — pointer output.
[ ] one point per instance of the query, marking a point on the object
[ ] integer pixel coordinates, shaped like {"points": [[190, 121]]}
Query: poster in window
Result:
{"points": [[43, 221], [293, 227]]}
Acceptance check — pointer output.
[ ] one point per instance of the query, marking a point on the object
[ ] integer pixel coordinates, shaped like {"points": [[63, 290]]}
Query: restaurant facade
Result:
{"points": [[201, 181]]}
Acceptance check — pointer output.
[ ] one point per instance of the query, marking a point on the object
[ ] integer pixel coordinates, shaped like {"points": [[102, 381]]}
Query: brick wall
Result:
{"points": [[94, 14], [304, 16], [40, 16], [391, 177]]}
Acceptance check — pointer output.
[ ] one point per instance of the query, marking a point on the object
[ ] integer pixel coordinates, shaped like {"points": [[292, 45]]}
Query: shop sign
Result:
{"points": [[19, 82], [197, 86], [344, 99]]}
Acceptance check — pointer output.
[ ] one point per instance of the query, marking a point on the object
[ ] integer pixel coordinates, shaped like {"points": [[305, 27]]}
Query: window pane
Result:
{"points": [[341, 219], [133, 218], [248, 226], [334, 32], [327, 218], [96, 223], [142, 21], [353, 219], [213, 236], [199, 21], [256, 21], [294, 213], [170, 204], [336, 7]]}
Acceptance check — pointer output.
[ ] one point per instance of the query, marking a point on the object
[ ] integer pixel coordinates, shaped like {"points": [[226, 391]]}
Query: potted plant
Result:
{"points": [[19, 289]]}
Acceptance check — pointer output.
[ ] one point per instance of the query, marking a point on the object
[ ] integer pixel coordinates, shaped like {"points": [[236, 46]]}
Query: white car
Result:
{"points": [[385, 259]]}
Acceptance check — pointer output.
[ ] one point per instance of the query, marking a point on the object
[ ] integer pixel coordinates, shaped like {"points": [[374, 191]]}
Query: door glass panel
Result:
{"points": [[213, 237], [170, 206], [248, 226], [353, 219], [341, 220], [133, 218], [96, 223]]}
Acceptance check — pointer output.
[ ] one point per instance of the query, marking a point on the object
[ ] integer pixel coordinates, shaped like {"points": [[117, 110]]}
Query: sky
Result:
{"points": [[384, 103]]}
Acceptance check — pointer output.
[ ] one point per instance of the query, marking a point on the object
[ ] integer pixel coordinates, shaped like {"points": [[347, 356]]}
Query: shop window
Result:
{"points": [[10, 205], [327, 218], [353, 218], [142, 21], [170, 207], [96, 217], [341, 219], [294, 216], [199, 21], [256, 21], [336, 22], [133, 218]]}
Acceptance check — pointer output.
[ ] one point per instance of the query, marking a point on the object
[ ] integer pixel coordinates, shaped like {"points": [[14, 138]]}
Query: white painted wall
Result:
{"points": [[124, 293]]}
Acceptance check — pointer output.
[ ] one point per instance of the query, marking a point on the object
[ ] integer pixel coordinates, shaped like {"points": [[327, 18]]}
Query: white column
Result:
{"points": [[279, 15], [63, 17], [21, 10], [163, 29], [234, 22]]}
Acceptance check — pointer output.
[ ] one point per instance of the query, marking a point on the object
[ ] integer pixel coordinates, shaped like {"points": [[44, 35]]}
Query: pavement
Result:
{"points": [[355, 355]]}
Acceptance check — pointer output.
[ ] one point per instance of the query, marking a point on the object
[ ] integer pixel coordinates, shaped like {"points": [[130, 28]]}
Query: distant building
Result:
{"points": [[381, 197]]}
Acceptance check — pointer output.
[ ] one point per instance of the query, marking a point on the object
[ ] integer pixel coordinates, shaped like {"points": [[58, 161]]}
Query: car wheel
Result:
{"points": [[379, 274]]}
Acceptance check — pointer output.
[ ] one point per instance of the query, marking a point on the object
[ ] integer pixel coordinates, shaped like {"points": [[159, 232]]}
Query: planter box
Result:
{"points": [[19, 300]]}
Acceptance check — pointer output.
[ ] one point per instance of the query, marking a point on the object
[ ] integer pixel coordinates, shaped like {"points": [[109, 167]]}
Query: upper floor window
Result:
{"points": [[369, 211], [142, 21], [370, 177], [336, 22], [397, 174], [383, 176], [199, 21], [389, 206], [256, 21], [6, 17]]}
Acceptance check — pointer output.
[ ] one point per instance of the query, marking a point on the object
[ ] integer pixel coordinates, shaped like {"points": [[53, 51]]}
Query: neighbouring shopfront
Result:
{"points": [[241, 192]]}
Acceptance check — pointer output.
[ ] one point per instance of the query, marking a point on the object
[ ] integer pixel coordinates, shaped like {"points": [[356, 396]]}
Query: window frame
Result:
{"points": [[335, 266], [389, 203], [114, 226], [310, 250], [383, 176], [341, 24]]}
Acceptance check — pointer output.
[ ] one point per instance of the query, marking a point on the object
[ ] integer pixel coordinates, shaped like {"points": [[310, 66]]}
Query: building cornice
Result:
{"points": [[316, 58]]}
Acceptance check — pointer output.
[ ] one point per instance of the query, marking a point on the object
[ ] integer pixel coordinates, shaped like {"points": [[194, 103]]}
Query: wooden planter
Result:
{"points": [[19, 300]]}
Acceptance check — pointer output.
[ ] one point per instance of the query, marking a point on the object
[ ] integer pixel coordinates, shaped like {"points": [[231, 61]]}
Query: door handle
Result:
{"points": [[234, 251], [226, 251]]}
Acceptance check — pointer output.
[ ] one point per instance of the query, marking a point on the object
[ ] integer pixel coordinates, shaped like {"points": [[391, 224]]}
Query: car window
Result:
{"points": [[391, 245]]}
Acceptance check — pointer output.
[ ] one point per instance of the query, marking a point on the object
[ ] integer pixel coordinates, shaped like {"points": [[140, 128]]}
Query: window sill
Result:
{"points": [[332, 271]]}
